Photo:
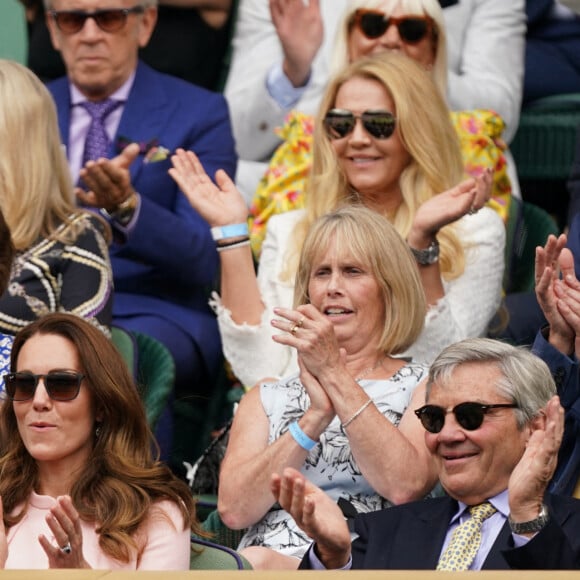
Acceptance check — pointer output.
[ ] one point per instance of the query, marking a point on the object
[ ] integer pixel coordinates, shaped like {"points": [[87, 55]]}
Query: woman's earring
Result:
{"points": [[97, 430]]}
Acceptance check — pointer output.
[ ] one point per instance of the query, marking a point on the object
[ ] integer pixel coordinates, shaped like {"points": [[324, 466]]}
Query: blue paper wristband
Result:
{"points": [[300, 437], [229, 231]]}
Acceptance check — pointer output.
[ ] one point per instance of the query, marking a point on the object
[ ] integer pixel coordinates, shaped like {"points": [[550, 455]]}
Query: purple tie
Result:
{"points": [[97, 143]]}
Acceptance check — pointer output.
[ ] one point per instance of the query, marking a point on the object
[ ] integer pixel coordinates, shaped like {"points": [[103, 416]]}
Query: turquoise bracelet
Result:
{"points": [[229, 231], [300, 437]]}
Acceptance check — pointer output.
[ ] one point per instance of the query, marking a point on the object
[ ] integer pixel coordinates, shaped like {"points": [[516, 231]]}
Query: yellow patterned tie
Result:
{"points": [[465, 540]]}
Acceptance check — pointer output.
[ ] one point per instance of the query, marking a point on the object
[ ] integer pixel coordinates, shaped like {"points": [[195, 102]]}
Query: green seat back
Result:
{"points": [[536, 225], [152, 367], [13, 35], [221, 534], [209, 556], [545, 143], [125, 344], [155, 375]]}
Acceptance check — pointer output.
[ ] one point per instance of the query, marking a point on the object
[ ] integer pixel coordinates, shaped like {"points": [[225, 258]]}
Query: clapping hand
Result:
{"points": [[65, 525], [532, 474], [311, 333], [449, 206], [316, 514], [219, 205], [557, 298], [108, 180], [320, 402]]}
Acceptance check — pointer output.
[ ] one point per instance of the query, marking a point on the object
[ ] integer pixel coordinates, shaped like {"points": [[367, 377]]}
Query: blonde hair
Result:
{"points": [[372, 241], [427, 134], [430, 8], [36, 189]]}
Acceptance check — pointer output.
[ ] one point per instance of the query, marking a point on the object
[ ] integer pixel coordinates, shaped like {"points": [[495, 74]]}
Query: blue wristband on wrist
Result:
{"points": [[300, 437], [229, 231]]}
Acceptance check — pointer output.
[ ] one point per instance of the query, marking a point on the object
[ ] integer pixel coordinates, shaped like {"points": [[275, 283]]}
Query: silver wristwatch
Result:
{"points": [[532, 526], [428, 256]]}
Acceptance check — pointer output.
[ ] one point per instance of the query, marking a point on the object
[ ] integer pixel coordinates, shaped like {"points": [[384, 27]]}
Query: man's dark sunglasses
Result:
{"points": [[468, 415], [374, 23], [340, 122], [60, 385], [109, 20]]}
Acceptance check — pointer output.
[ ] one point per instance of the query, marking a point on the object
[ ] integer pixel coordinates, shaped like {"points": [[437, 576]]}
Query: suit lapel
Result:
{"points": [[146, 113], [61, 95], [419, 539]]}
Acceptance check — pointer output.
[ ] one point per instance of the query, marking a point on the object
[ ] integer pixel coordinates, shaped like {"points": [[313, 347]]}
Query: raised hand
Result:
{"points": [[219, 205], [108, 180], [316, 514], [65, 525], [300, 29]]}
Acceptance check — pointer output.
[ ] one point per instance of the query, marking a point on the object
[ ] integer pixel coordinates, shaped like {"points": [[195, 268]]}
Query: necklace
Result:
{"points": [[369, 370]]}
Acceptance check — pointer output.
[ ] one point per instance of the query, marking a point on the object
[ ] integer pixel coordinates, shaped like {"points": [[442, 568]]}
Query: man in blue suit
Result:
{"points": [[493, 427], [163, 256]]}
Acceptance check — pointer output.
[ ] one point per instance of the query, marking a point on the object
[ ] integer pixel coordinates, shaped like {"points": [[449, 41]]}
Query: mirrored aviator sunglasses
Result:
{"points": [[374, 23], [340, 122], [108, 20], [469, 415], [60, 385]]}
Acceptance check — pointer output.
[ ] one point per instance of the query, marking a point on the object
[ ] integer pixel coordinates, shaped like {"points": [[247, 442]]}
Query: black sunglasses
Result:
{"points": [[374, 23], [340, 122], [468, 415], [60, 385], [109, 20]]}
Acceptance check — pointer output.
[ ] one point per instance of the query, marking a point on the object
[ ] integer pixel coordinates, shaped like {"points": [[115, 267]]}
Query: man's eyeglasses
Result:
{"points": [[340, 122], [60, 385], [108, 20], [374, 23], [469, 415]]}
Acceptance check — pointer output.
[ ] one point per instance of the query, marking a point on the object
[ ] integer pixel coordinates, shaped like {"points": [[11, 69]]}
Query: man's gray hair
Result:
{"points": [[526, 379]]}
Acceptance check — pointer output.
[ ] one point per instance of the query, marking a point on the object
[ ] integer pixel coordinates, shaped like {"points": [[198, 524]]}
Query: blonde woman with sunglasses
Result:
{"points": [[416, 28], [270, 74]]}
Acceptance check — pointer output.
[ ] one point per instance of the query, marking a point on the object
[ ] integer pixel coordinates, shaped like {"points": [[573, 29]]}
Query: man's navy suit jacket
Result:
{"points": [[411, 536], [168, 262]]}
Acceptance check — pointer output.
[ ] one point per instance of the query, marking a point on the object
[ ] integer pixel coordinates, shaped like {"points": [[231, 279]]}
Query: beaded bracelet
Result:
{"points": [[300, 437], [356, 414], [233, 245]]}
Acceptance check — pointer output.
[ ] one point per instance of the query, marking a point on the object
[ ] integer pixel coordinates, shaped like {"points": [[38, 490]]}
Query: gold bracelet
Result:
{"points": [[356, 414]]}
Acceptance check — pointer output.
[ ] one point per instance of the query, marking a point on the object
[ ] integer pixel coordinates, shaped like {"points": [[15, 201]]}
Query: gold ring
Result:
{"points": [[300, 322], [294, 328]]}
